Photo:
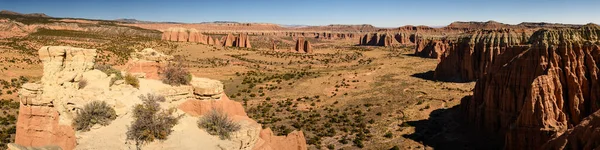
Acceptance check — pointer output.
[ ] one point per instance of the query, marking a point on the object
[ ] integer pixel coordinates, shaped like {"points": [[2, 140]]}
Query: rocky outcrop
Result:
{"points": [[308, 47], [303, 46], [228, 40], [205, 88], [584, 136], [46, 108], [186, 35], [404, 38], [378, 39], [299, 45], [431, 48], [547, 88], [147, 63], [332, 36], [470, 56], [294, 140], [240, 41]]}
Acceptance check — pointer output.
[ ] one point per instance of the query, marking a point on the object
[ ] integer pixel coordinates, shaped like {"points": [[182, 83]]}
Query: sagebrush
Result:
{"points": [[150, 121], [175, 74], [218, 123], [131, 80], [95, 112]]}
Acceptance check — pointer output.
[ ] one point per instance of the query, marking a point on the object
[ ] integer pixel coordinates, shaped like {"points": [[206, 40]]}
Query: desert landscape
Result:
{"points": [[77, 83]]}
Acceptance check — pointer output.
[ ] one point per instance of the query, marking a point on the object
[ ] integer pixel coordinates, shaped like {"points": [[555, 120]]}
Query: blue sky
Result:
{"points": [[382, 13]]}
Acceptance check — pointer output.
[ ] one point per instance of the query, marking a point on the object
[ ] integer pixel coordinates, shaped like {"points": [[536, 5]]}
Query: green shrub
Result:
{"points": [[133, 81], [150, 122], [388, 135], [95, 112], [175, 74], [218, 123]]}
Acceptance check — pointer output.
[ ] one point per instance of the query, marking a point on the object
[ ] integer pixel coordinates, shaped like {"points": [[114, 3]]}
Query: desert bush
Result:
{"points": [[175, 74], [82, 84], [150, 122], [95, 112], [131, 80], [218, 123]]}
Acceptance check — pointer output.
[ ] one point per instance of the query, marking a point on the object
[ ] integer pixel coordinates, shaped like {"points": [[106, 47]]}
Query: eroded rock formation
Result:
{"points": [[470, 56], [46, 108], [548, 87], [240, 41], [303, 46], [186, 35], [378, 39], [431, 47], [584, 136]]}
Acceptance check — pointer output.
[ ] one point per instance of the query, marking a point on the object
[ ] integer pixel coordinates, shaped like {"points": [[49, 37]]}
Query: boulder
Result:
{"points": [[205, 88]]}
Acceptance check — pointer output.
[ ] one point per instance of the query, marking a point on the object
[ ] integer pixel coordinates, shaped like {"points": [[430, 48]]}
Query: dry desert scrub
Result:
{"points": [[150, 122], [175, 74], [95, 112], [131, 80], [218, 123]]}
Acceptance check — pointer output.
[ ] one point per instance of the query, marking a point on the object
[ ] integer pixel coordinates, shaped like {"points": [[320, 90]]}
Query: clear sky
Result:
{"points": [[381, 13]]}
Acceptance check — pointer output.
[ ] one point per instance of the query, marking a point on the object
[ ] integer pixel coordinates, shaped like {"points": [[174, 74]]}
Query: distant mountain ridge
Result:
{"points": [[7, 12]]}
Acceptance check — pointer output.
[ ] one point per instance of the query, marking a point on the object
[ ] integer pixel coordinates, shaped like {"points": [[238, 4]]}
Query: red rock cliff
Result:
{"points": [[538, 94], [469, 57]]}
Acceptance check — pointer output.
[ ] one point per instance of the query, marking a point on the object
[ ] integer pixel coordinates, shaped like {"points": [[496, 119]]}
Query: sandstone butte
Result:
{"points": [[384, 39], [303, 46], [179, 34], [543, 92], [47, 108]]}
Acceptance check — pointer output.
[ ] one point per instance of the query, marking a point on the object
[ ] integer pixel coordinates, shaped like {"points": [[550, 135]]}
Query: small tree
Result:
{"points": [[95, 112], [218, 123]]}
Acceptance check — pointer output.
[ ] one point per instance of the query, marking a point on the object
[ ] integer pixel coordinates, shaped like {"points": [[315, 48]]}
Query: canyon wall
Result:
{"points": [[470, 56], [536, 95]]}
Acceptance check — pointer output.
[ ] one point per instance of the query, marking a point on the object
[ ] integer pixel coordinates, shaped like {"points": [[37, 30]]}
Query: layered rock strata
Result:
{"points": [[46, 108], [469, 57], [378, 39], [546, 88]]}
